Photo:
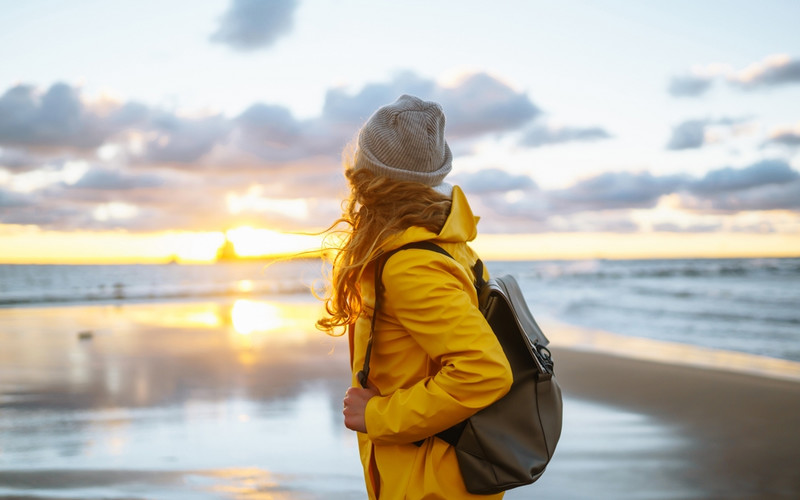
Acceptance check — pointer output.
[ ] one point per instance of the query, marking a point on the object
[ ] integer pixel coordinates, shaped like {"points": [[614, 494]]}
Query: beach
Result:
{"points": [[241, 398]]}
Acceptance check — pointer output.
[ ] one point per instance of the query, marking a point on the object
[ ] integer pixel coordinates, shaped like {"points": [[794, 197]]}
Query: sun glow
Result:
{"points": [[250, 316], [250, 242]]}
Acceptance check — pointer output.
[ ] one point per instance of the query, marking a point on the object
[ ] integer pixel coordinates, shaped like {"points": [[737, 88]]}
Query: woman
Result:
{"points": [[435, 360]]}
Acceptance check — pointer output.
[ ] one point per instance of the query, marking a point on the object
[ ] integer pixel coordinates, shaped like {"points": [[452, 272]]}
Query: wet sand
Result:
{"points": [[241, 399]]}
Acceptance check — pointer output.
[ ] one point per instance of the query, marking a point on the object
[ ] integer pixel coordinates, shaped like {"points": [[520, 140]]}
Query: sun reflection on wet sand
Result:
{"points": [[243, 393], [249, 316]]}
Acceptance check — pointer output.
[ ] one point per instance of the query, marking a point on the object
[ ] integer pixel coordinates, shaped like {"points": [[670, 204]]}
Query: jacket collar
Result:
{"points": [[460, 226]]}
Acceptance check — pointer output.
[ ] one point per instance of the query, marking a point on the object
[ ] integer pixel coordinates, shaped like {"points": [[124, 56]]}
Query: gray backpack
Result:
{"points": [[510, 442]]}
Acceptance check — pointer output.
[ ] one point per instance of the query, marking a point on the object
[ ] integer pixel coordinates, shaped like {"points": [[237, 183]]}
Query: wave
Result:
{"points": [[655, 310], [690, 268], [28, 285], [125, 296]]}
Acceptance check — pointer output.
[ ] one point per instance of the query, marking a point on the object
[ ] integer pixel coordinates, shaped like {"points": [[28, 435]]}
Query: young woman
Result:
{"points": [[434, 360]]}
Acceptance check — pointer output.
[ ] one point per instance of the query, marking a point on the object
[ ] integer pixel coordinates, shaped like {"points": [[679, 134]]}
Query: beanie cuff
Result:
{"points": [[364, 158]]}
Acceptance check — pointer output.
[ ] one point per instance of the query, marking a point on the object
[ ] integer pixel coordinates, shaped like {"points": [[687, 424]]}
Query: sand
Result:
{"points": [[741, 432], [190, 400]]}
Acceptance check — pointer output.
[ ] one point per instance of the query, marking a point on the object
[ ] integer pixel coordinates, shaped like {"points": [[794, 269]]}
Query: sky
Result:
{"points": [[140, 131]]}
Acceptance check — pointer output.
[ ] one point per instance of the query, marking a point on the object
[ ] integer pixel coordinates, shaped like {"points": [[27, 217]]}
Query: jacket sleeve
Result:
{"points": [[429, 300]]}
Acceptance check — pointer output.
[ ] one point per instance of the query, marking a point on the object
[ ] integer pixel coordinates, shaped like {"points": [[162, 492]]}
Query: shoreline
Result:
{"points": [[561, 334], [579, 338]]}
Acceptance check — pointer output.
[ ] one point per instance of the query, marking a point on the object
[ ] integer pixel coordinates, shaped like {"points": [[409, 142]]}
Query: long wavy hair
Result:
{"points": [[377, 210]]}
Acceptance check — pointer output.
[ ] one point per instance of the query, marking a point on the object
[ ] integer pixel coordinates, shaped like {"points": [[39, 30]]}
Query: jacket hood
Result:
{"points": [[460, 226]]}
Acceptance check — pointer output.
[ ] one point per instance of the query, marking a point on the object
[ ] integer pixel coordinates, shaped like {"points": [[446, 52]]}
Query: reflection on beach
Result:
{"points": [[242, 399], [200, 387]]}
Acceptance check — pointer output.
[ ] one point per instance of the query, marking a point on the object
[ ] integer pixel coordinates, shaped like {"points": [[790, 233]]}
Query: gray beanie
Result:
{"points": [[405, 141]]}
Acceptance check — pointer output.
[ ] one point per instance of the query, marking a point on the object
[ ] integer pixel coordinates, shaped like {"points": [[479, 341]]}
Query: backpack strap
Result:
{"points": [[452, 434], [380, 263]]}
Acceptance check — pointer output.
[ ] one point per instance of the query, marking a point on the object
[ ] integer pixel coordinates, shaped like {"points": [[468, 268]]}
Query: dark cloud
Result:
{"points": [[691, 134], [730, 179], [482, 104], [689, 86], [110, 179], [30, 122], [541, 136], [615, 190], [668, 227], [764, 197], [56, 119], [274, 124], [773, 71], [479, 104], [492, 180], [785, 139], [249, 25], [601, 203], [355, 109], [688, 135], [11, 199], [760, 227], [17, 160], [183, 140]]}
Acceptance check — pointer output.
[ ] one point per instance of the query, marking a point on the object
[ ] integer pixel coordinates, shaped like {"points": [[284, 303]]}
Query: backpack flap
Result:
{"points": [[506, 290]]}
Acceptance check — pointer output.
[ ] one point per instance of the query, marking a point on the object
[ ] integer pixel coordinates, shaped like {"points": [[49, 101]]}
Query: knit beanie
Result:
{"points": [[405, 141]]}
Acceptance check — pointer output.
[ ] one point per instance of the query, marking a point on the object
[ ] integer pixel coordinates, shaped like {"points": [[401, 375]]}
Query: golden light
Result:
{"points": [[250, 242], [244, 286], [250, 316], [201, 315]]}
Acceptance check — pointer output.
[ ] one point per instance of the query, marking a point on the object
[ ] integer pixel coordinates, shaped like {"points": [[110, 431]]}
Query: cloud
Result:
{"points": [[786, 137], [341, 106], [766, 185], [109, 179], [688, 135], [615, 190], [693, 134], [765, 197], [183, 140], [730, 179], [11, 199], [17, 160], [249, 25], [602, 202], [689, 86], [268, 133], [772, 71], [493, 180], [669, 227], [265, 147], [56, 119], [478, 105], [541, 136], [481, 103]]}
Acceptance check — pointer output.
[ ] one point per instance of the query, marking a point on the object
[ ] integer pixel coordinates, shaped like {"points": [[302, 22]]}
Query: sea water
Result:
{"points": [[746, 305]]}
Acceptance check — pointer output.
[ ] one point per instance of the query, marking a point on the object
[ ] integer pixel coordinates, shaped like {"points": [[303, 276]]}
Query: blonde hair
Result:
{"points": [[377, 209]]}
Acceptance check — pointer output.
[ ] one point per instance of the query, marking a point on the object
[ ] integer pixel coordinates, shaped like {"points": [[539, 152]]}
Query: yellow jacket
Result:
{"points": [[435, 362]]}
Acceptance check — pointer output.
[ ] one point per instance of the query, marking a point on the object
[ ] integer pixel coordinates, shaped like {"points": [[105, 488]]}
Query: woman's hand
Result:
{"points": [[355, 404]]}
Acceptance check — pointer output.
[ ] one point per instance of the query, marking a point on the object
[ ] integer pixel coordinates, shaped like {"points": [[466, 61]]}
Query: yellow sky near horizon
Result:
{"points": [[33, 246]]}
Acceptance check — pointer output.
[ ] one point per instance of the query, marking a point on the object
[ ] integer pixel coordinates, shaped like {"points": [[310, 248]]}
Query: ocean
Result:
{"points": [[745, 305]]}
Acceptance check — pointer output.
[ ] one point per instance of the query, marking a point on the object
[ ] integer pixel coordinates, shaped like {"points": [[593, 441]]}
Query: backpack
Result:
{"points": [[510, 442]]}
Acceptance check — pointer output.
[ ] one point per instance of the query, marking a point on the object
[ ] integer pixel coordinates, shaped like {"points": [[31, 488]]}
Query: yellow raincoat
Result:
{"points": [[435, 362]]}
